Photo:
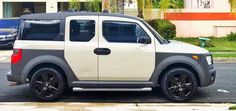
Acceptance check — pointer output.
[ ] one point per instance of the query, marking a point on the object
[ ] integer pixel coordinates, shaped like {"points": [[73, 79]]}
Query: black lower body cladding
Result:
{"points": [[204, 73], [33, 57]]}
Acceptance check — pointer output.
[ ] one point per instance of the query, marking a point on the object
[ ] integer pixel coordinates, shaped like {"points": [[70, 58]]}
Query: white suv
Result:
{"points": [[104, 52]]}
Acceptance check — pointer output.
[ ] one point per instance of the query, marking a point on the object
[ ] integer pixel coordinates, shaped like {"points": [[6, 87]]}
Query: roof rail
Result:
{"points": [[73, 10]]}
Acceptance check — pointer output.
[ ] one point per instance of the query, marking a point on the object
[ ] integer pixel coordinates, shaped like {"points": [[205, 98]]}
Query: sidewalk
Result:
{"points": [[61, 106], [224, 59], [5, 56]]}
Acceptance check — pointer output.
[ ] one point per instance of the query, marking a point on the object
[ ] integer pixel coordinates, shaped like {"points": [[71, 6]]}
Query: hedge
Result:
{"points": [[164, 27]]}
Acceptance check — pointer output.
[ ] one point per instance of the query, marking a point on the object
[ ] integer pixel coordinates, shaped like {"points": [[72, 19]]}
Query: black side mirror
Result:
{"points": [[144, 40]]}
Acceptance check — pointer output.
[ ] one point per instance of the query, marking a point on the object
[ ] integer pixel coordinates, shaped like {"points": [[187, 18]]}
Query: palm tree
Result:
{"points": [[140, 4], [121, 8], [148, 9], [114, 6], [163, 6], [232, 5], [105, 5]]}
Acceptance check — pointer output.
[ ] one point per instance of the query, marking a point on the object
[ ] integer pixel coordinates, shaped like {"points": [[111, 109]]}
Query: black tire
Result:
{"points": [[47, 84], [179, 84]]}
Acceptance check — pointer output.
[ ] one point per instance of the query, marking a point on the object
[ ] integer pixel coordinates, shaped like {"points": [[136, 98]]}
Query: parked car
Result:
{"points": [[8, 31], [104, 52]]}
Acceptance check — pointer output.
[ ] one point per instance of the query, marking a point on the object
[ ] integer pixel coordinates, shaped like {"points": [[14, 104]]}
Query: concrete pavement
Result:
{"points": [[5, 56], [61, 106]]}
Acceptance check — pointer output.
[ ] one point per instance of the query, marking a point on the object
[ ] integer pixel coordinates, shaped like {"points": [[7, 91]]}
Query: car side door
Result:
{"points": [[129, 50], [81, 38]]}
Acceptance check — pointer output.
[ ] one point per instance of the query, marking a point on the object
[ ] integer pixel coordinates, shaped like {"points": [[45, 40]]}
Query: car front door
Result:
{"points": [[81, 38], [123, 57]]}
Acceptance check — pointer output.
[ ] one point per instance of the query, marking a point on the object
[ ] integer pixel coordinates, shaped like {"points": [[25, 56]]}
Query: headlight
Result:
{"points": [[209, 60]]}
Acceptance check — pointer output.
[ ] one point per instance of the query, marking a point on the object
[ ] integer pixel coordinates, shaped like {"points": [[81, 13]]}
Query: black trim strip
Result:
{"points": [[110, 84]]}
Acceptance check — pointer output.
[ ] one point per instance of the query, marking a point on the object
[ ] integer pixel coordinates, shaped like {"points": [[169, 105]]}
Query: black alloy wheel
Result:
{"points": [[47, 84], [179, 84]]}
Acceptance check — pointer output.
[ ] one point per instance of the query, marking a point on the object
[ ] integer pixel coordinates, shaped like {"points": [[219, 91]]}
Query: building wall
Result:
{"points": [[195, 20], [51, 5]]}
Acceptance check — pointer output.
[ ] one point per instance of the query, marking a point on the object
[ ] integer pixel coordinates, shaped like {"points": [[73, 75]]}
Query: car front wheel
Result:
{"points": [[179, 84]]}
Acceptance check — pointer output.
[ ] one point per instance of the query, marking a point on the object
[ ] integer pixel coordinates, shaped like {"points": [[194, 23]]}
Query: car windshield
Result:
{"points": [[9, 23]]}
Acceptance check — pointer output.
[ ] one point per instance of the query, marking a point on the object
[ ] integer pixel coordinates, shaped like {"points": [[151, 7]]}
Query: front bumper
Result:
{"points": [[207, 74], [6, 43], [211, 77]]}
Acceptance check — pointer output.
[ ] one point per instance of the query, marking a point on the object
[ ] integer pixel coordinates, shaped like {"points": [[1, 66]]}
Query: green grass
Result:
{"points": [[232, 108], [219, 44]]}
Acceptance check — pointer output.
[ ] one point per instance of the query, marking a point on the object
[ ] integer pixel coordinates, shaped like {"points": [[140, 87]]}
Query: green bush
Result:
{"points": [[164, 27], [231, 36]]}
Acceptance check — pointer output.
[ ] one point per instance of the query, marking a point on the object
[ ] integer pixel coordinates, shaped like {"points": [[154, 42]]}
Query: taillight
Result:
{"points": [[16, 56]]}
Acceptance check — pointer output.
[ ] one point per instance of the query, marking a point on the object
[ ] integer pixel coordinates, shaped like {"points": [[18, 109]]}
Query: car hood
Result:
{"points": [[6, 31], [181, 47]]}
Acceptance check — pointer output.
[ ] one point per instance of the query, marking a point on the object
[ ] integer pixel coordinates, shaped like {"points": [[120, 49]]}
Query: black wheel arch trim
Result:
{"points": [[162, 64], [49, 59]]}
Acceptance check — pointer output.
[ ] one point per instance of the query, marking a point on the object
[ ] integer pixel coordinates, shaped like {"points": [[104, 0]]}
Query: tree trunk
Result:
{"points": [[148, 10], [121, 5], [140, 8], [105, 6]]}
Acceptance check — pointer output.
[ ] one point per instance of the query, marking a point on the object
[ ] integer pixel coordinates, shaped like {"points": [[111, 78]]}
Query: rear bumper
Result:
{"points": [[13, 78]]}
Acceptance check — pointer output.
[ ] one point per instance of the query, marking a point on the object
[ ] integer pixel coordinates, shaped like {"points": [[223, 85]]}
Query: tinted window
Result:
{"points": [[40, 30], [82, 30], [126, 32]]}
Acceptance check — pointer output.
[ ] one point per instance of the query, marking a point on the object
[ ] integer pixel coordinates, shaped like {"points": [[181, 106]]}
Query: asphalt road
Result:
{"points": [[222, 91]]}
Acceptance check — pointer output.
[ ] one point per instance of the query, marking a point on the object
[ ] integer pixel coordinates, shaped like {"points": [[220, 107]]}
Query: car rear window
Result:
{"points": [[42, 30], [82, 30]]}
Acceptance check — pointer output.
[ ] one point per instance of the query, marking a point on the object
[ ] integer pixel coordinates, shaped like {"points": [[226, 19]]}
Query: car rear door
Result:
{"points": [[81, 38]]}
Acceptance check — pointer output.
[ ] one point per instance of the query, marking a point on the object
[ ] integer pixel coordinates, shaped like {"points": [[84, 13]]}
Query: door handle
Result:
{"points": [[102, 51]]}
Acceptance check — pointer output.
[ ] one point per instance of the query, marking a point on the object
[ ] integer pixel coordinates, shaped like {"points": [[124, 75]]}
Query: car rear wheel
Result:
{"points": [[47, 84], [179, 84]]}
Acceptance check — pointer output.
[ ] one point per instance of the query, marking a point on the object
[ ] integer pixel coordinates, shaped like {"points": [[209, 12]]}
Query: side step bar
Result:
{"points": [[112, 89]]}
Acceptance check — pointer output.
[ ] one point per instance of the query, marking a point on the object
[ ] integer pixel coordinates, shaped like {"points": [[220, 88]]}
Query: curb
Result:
{"points": [[62, 106], [224, 60]]}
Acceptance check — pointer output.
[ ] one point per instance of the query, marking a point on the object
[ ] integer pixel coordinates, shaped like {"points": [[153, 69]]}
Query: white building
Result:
{"points": [[200, 18], [15, 8]]}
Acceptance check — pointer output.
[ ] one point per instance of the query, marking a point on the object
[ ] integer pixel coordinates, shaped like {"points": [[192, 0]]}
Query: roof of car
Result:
{"points": [[63, 15], [12, 18]]}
